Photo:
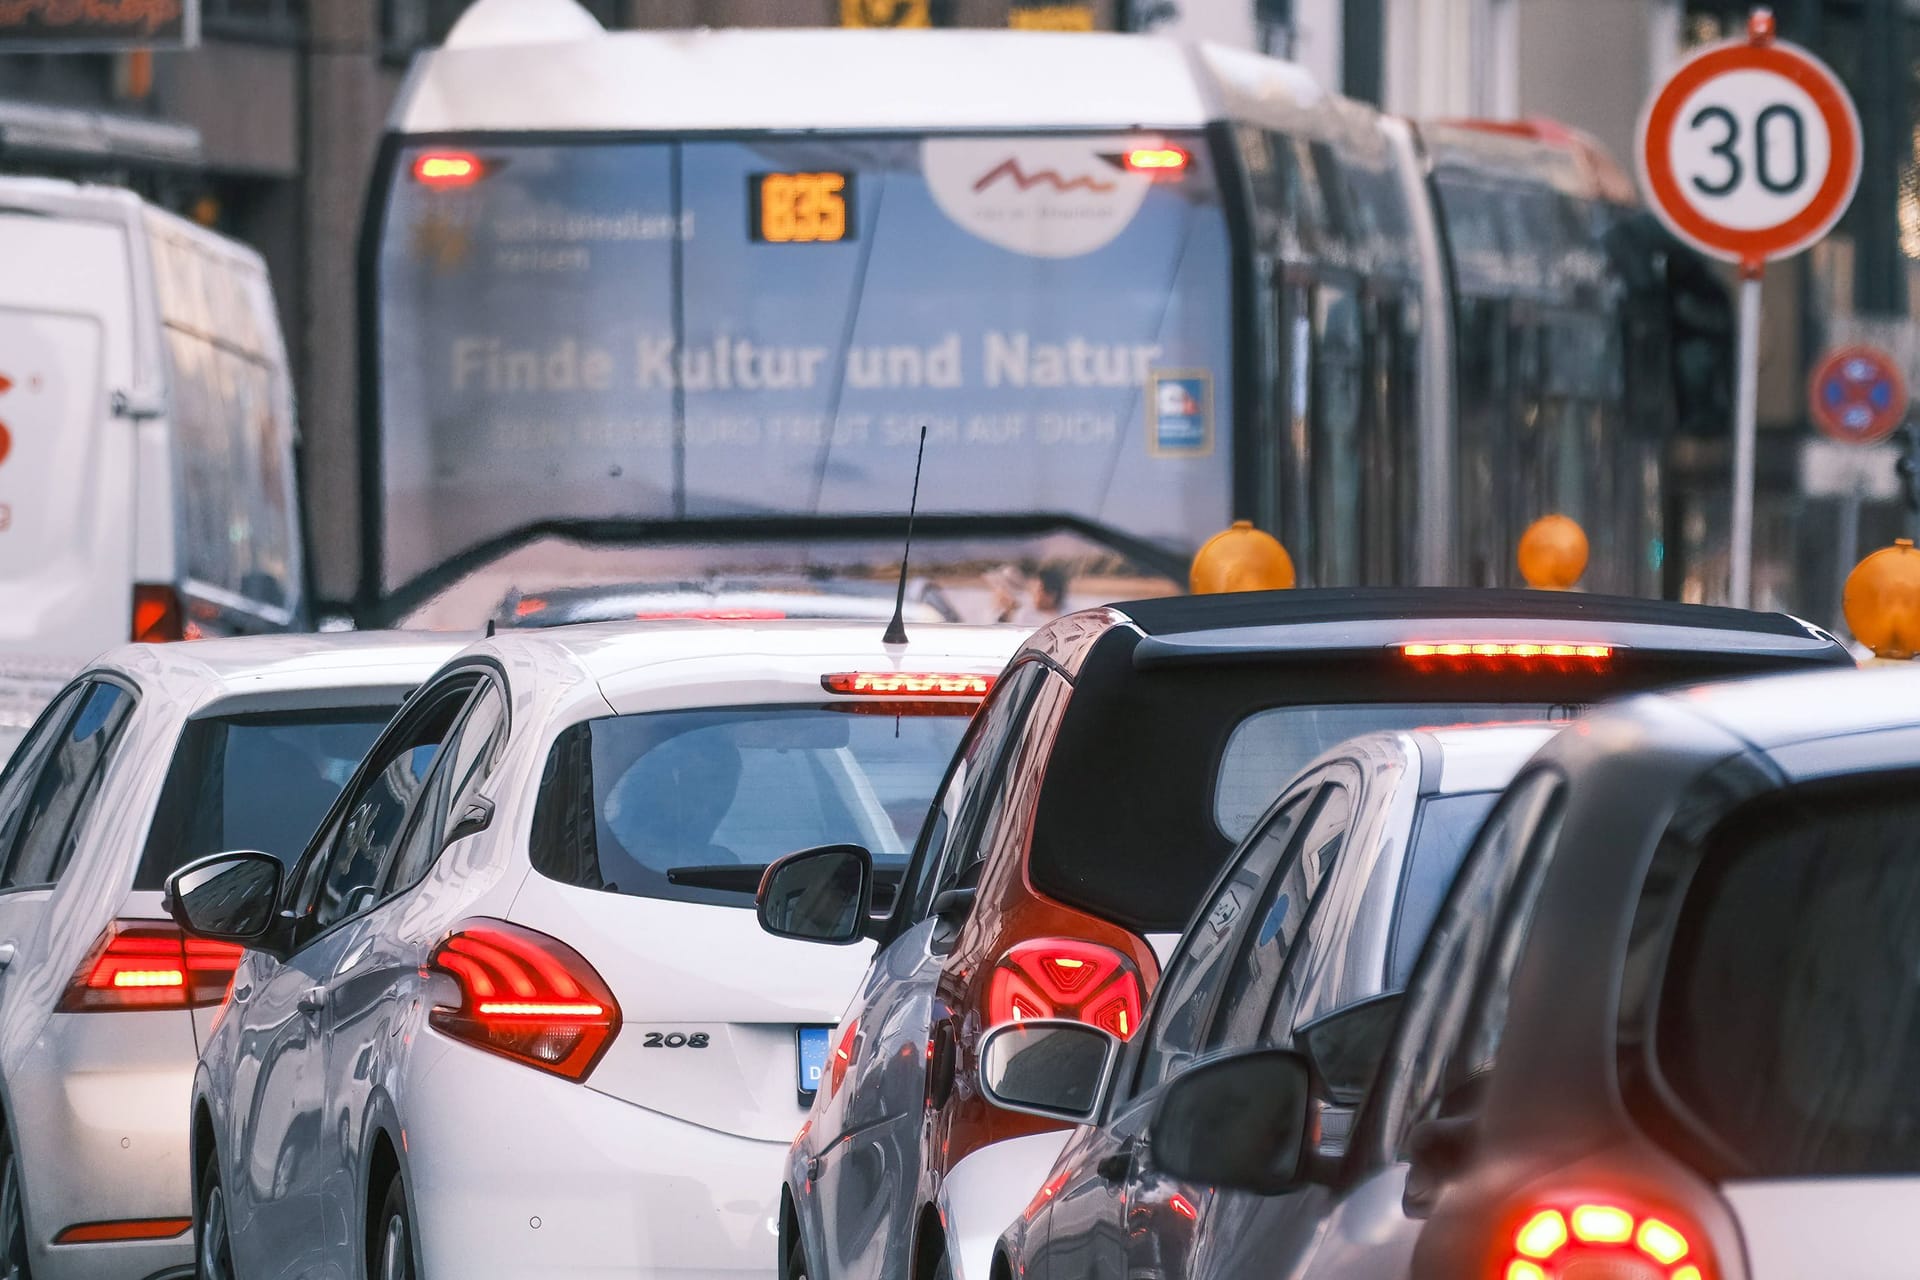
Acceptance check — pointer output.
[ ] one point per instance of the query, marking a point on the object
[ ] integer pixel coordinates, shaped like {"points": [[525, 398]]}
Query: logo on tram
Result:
{"points": [[1041, 197]]}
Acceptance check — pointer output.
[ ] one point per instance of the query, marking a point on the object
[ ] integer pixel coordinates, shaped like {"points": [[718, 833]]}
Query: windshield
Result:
{"points": [[705, 330], [692, 805], [254, 782]]}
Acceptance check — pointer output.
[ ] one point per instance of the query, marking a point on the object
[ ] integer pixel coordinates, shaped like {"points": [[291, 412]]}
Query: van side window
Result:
{"points": [[57, 805]]}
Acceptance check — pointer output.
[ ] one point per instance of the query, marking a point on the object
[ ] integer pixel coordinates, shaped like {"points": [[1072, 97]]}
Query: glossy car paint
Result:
{"points": [[1549, 1119], [96, 1102], [662, 1162], [866, 1184], [1095, 1223]]}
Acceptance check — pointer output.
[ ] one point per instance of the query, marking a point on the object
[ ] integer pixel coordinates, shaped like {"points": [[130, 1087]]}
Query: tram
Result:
{"points": [[648, 304]]}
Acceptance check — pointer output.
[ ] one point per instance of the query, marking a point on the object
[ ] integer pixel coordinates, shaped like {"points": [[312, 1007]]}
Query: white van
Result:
{"points": [[147, 487]]}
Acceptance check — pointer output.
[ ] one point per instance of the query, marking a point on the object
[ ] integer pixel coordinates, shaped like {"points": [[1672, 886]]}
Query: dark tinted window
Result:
{"points": [[1789, 1020], [57, 804], [1441, 832], [690, 805], [254, 782]]}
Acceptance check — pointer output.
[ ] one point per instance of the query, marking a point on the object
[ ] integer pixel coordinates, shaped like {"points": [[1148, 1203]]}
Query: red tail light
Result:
{"points": [[1510, 655], [149, 964], [124, 1229], [447, 169], [924, 684], [524, 996], [1555, 1242], [157, 615], [1066, 978]]}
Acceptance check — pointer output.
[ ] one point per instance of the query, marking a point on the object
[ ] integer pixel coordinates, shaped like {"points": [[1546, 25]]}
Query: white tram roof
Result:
{"points": [[540, 69]]}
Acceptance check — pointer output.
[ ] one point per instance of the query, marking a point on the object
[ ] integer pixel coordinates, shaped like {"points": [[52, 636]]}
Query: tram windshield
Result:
{"points": [[728, 329]]}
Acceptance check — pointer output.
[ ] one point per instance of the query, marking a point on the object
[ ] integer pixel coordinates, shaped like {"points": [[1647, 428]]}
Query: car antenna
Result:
{"points": [[897, 629]]}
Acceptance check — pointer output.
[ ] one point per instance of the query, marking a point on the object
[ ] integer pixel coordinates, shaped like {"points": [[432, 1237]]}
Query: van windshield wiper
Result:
{"points": [[733, 877]]}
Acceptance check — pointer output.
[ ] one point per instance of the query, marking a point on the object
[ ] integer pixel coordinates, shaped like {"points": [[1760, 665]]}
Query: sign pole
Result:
{"points": [[1746, 400]]}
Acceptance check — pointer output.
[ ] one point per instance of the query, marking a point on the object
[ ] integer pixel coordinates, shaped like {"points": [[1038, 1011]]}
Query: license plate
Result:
{"points": [[812, 1059]]}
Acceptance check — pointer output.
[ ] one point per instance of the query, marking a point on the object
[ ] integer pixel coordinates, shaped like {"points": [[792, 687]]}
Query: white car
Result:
{"points": [[146, 427], [150, 757], [512, 1014]]}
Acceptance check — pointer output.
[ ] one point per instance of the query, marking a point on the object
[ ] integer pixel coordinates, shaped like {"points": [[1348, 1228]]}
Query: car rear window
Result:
{"points": [[1269, 747], [254, 782], [692, 805], [1788, 1023]]}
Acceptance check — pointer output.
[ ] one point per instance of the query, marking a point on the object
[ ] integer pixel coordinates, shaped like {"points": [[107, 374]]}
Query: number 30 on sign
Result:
{"points": [[1751, 151]]}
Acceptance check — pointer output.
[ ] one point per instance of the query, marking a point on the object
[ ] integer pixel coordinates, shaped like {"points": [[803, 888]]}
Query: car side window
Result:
{"points": [[1198, 971], [1266, 971], [393, 778], [951, 843], [29, 757], [56, 805], [1435, 1009], [462, 766]]}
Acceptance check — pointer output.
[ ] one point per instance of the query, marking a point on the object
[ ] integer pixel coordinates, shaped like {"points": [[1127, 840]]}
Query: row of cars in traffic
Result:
{"points": [[376, 955]]}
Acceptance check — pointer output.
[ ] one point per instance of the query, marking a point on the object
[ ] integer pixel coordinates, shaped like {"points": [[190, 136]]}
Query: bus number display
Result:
{"points": [[801, 208]]}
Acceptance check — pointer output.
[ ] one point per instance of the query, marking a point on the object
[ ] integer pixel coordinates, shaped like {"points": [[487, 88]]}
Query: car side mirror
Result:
{"points": [[227, 897], [818, 895], [1239, 1122], [1052, 1067], [1345, 1046]]}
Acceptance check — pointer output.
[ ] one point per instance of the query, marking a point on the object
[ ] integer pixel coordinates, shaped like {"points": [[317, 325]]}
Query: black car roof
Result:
{"points": [[1258, 625], [1173, 615]]}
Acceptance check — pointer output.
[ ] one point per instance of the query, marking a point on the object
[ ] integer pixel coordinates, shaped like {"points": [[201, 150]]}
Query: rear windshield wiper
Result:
{"points": [[732, 877]]}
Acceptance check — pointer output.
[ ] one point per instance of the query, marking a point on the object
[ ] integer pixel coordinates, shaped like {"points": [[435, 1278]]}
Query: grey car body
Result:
{"points": [[1322, 909]]}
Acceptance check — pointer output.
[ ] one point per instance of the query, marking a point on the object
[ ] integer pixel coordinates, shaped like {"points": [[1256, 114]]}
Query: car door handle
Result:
{"points": [[6, 954], [312, 1001]]}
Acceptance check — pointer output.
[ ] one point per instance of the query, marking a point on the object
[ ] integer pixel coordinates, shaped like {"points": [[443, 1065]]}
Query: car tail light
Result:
{"points": [[1167, 160], [1565, 1241], [439, 169], [1468, 655], [922, 684], [157, 615], [150, 964], [1066, 978], [525, 996]]}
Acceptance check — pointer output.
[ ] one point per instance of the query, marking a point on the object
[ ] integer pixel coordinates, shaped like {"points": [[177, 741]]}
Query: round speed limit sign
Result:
{"points": [[1751, 151]]}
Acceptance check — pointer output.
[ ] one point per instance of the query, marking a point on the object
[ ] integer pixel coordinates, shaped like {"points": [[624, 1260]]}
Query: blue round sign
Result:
{"points": [[1858, 395]]}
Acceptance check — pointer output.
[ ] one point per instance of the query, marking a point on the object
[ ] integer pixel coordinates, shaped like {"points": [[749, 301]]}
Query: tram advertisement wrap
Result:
{"points": [[563, 338]]}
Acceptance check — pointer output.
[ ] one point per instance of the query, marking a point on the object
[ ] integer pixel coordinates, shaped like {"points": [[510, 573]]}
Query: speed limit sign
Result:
{"points": [[1751, 150]]}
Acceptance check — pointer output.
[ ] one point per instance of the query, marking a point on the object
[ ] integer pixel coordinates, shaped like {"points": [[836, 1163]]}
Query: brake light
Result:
{"points": [[1066, 978], [1508, 654], [1156, 160], [525, 996], [1558, 1241], [157, 615], [925, 684], [447, 169], [150, 964]]}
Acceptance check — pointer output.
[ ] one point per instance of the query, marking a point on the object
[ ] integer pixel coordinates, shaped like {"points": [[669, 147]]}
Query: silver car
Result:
{"points": [[153, 755]]}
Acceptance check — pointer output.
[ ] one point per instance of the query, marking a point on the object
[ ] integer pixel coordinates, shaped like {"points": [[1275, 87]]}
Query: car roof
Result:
{"points": [[601, 650], [274, 663], [1774, 711], [1201, 628]]}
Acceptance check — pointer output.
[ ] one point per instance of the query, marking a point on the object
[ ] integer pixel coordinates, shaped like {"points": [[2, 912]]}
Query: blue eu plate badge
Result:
{"points": [[1180, 413], [812, 1060]]}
